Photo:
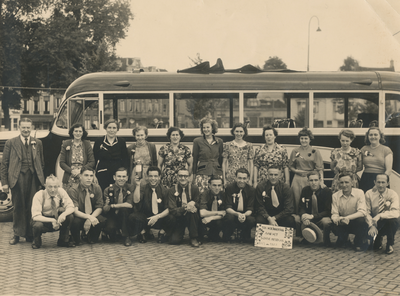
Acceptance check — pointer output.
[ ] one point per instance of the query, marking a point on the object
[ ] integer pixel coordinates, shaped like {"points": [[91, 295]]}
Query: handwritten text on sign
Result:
{"points": [[268, 236]]}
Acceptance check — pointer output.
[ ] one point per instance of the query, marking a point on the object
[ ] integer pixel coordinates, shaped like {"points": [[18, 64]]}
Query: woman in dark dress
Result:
{"points": [[110, 154]]}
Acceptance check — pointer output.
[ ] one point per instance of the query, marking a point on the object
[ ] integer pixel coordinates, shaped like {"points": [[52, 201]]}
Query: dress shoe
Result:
{"points": [[358, 249], [127, 242], [161, 238], [35, 246], [141, 238], [14, 240], [37, 242], [194, 243], [389, 249]]}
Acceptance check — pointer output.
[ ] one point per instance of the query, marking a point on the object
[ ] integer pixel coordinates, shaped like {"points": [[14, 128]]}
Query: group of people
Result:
{"points": [[117, 191]]}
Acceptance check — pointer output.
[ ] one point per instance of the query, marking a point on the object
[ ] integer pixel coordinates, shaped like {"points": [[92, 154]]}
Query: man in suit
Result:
{"points": [[22, 172]]}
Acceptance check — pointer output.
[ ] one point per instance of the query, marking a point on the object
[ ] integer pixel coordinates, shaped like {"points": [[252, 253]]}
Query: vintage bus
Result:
{"points": [[326, 102]]}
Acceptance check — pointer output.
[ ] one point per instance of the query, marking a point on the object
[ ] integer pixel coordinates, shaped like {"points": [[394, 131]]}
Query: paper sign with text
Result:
{"points": [[268, 236]]}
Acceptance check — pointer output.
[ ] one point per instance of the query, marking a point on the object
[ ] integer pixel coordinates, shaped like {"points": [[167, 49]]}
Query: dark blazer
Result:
{"points": [[207, 159], [324, 201], [66, 157], [152, 151], [12, 160], [175, 198], [232, 201]]}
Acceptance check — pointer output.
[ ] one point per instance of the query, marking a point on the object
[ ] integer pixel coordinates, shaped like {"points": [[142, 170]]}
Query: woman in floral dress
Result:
{"points": [[270, 154], [173, 156], [75, 153], [346, 159], [237, 154]]}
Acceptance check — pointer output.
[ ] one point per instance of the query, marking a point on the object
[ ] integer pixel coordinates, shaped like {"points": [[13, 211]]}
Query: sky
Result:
{"points": [[240, 32]]}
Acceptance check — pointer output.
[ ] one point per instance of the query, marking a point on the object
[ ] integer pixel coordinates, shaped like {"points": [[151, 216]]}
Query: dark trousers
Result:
{"points": [[140, 221], [38, 228], [118, 221], [232, 223], [94, 231], [286, 221], [179, 224], [22, 194], [388, 227], [358, 227]]}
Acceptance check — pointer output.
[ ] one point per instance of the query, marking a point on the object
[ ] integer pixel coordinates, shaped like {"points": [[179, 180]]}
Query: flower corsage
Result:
{"points": [[68, 148], [159, 200], [33, 143], [367, 153], [234, 197]]}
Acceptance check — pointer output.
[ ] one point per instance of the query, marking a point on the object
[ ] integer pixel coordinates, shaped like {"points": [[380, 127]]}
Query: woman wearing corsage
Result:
{"points": [[302, 160], [377, 158], [207, 154], [75, 153], [346, 158]]}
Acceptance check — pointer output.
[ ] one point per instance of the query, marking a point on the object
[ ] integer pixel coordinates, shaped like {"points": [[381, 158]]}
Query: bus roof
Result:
{"points": [[295, 81]]}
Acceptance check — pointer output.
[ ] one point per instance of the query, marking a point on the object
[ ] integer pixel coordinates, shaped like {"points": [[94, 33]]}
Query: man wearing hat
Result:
{"points": [[382, 213], [239, 197], [212, 208], [274, 201], [315, 209], [348, 213]]}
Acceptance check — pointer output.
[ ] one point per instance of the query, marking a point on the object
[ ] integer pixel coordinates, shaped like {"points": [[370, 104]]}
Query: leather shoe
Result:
{"points": [[127, 242], [35, 246], [14, 240], [194, 243], [141, 238], [389, 249], [162, 237]]}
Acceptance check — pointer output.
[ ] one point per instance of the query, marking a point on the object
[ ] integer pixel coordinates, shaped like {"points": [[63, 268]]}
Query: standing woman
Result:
{"points": [[302, 160], [271, 154], [141, 152], [346, 159], [237, 154], [207, 154], [377, 158], [110, 154], [75, 153], [173, 156]]}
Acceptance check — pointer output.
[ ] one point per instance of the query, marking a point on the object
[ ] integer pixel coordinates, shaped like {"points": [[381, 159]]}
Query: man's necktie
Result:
{"points": [[274, 197], [184, 198], [214, 206], [54, 210], [314, 201], [240, 201], [120, 199], [88, 204], [381, 204], [26, 143], [154, 205]]}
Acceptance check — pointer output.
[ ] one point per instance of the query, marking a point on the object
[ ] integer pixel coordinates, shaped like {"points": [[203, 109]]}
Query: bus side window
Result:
{"points": [[392, 110], [85, 111], [278, 109], [62, 120], [339, 110], [190, 108]]}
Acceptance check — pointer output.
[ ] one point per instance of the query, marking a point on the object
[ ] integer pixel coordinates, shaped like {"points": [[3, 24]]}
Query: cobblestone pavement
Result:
{"points": [[212, 269]]}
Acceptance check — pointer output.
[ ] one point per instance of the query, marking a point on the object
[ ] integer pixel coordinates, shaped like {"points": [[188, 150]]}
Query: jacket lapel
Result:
{"points": [[17, 145]]}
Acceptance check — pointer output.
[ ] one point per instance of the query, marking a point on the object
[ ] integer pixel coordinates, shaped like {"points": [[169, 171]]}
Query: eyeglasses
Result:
{"points": [[183, 176]]}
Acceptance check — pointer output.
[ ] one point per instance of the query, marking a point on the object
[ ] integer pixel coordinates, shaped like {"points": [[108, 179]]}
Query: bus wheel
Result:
{"points": [[6, 206]]}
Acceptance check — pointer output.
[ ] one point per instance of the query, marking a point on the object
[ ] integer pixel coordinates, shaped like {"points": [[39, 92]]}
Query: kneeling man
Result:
{"points": [[212, 209], [382, 213], [348, 213], [315, 205], [52, 210], [88, 201], [274, 201], [239, 197]]}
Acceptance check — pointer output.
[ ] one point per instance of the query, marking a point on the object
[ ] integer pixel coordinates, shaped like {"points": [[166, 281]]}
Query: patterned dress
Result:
{"points": [[76, 163], [263, 159], [350, 162], [238, 157], [173, 162]]}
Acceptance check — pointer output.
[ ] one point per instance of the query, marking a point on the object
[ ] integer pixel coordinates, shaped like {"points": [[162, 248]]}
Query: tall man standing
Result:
{"points": [[22, 172]]}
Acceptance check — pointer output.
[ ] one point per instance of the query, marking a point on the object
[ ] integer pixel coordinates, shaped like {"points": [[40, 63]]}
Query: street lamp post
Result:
{"points": [[308, 52]]}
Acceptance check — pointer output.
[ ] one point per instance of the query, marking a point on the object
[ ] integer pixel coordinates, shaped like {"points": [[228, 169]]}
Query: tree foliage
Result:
{"points": [[274, 63], [349, 64], [75, 37]]}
